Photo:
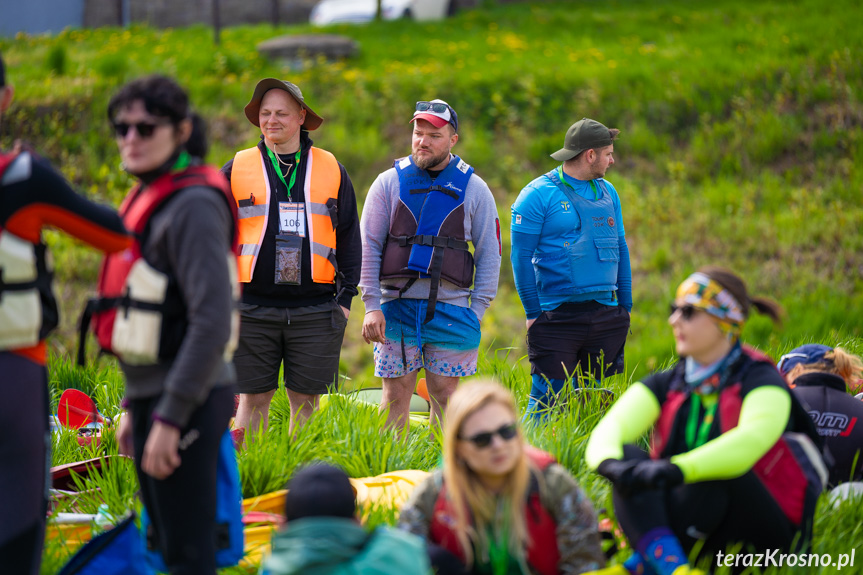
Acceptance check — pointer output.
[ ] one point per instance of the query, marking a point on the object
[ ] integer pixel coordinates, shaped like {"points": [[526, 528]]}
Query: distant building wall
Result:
{"points": [[40, 16], [176, 13]]}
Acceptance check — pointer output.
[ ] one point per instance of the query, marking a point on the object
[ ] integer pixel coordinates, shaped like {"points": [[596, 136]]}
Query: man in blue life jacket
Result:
{"points": [[571, 266], [425, 293]]}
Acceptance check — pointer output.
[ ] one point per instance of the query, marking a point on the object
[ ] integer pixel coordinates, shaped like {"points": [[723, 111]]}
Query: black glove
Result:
{"points": [[655, 474], [619, 472]]}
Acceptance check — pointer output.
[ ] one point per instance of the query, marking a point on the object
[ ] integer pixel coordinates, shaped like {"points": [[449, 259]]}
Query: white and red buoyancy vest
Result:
{"points": [[28, 307], [139, 314]]}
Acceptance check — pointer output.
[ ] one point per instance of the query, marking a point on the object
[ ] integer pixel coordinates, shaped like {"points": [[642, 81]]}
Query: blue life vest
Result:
{"points": [[118, 551], [427, 237], [593, 257], [229, 512]]}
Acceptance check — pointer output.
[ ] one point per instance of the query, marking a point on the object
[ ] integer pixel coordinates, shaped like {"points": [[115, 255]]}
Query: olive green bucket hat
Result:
{"points": [[586, 134], [253, 108]]}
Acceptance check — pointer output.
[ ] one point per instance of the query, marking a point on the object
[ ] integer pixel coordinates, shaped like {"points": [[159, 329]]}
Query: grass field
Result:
{"points": [[741, 140], [741, 145]]}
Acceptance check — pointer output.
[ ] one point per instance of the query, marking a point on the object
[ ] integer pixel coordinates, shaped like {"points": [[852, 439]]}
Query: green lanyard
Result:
{"points": [[182, 162], [692, 423], [565, 183], [279, 171]]}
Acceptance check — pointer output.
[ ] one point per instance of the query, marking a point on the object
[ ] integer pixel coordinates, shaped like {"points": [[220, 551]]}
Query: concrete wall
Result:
{"points": [[176, 13], [39, 16]]}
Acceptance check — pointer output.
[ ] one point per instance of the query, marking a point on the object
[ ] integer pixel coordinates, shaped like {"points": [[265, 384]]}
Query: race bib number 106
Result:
{"points": [[292, 218]]}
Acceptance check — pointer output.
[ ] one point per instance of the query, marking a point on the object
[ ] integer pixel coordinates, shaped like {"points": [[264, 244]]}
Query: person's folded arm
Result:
{"points": [[763, 418], [628, 419]]}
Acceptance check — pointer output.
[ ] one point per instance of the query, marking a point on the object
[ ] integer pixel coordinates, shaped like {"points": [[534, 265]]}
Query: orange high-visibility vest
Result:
{"points": [[249, 181]]}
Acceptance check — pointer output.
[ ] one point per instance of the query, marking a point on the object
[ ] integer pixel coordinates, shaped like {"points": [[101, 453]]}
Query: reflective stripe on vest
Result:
{"points": [[248, 174], [321, 190]]}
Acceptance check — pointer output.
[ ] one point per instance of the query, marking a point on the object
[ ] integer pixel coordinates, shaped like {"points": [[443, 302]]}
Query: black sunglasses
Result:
{"points": [[144, 129], [483, 440], [686, 311], [436, 107]]}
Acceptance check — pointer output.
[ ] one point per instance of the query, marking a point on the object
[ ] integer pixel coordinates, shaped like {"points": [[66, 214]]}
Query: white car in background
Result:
{"points": [[360, 11]]}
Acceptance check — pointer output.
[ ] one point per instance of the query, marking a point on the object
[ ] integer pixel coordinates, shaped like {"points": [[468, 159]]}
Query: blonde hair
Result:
{"points": [[838, 362], [473, 505]]}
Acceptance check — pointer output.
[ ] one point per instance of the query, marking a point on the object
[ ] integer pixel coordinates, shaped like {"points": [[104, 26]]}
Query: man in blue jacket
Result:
{"points": [[571, 266]]}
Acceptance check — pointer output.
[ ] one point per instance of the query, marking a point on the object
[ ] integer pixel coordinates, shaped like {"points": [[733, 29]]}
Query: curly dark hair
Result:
{"points": [[163, 97]]}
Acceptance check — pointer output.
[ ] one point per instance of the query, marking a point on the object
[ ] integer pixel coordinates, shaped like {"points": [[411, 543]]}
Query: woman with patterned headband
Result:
{"points": [[728, 463]]}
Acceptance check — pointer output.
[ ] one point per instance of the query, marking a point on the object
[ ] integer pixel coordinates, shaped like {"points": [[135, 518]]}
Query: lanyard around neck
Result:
{"points": [[692, 423], [279, 171], [565, 183]]}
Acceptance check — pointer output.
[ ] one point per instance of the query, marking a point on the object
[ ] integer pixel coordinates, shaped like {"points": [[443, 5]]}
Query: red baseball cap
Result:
{"points": [[437, 112]]}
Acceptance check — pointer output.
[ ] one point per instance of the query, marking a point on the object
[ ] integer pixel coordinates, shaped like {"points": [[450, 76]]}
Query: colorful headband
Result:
{"points": [[700, 291]]}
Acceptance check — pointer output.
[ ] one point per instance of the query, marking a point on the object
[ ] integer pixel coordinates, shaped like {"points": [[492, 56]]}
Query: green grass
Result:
{"points": [[741, 134], [353, 439]]}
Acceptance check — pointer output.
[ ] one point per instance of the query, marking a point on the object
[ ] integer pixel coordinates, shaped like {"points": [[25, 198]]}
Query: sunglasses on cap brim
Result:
{"points": [[436, 107]]}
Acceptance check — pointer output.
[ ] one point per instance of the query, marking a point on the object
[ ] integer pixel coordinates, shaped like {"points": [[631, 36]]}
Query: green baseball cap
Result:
{"points": [[586, 134], [252, 109]]}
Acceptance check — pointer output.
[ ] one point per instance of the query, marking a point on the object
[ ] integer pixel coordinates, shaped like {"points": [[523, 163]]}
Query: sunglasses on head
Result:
{"points": [[686, 311], [435, 107], [144, 129], [484, 439]]}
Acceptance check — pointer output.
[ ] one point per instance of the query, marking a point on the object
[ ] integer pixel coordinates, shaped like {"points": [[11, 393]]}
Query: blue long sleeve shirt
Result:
{"points": [[545, 222]]}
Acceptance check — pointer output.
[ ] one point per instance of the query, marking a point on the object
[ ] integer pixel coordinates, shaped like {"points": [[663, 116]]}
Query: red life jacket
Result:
{"points": [[789, 470], [542, 552], [140, 315], [28, 308]]}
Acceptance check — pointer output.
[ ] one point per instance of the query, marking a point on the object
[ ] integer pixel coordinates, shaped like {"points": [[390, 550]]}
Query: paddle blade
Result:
{"points": [[422, 389], [77, 409]]}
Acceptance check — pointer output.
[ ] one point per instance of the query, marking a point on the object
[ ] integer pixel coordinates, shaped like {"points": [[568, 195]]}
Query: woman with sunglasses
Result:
{"points": [[821, 377], [499, 505], [721, 469], [179, 379]]}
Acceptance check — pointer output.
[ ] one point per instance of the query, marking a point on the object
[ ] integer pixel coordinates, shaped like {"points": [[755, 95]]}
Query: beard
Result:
{"points": [[427, 162]]}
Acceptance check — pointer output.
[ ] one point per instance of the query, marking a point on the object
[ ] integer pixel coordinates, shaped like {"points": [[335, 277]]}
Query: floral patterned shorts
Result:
{"points": [[448, 345]]}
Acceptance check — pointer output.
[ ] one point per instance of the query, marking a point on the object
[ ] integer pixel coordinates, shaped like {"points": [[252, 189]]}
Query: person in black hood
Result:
{"points": [[820, 377]]}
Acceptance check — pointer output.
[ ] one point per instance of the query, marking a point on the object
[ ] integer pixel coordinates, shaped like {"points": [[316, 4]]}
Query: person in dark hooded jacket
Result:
{"points": [[323, 536]]}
